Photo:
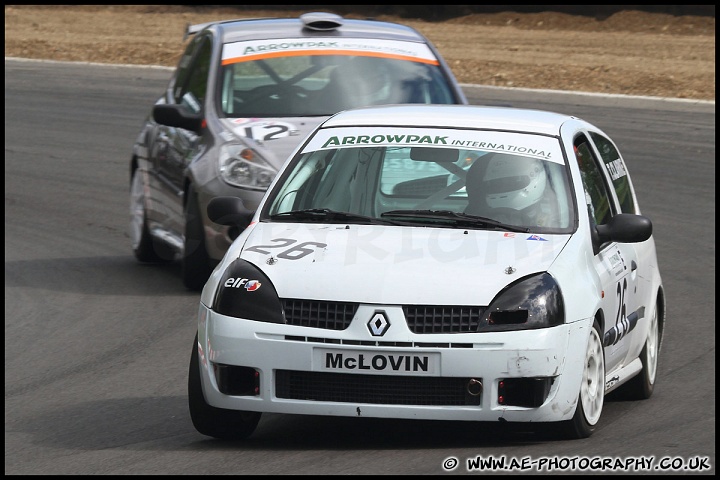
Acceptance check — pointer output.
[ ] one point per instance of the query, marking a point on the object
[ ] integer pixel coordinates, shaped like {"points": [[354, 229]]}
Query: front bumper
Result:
{"points": [[519, 376]]}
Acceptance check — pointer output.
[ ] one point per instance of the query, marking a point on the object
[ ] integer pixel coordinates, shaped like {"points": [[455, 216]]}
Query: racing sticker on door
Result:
{"points": [[624, 322]]}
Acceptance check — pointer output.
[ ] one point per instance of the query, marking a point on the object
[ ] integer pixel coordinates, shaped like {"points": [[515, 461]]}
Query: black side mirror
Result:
{"points": [[622, 228], [177, 116], [229, 211]]}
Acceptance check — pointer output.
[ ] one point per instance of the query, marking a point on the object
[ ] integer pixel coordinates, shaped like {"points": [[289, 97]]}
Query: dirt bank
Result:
{"points": [[630, 52]]}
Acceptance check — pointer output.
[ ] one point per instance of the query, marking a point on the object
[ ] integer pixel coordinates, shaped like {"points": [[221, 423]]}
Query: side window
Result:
{"points": [[183, 69], [616, 168], [193, 71], [596, 193]]}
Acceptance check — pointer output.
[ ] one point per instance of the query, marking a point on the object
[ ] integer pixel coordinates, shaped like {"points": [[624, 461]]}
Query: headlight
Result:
{"points": [[534, 302], [244, 167], [246, 292]]}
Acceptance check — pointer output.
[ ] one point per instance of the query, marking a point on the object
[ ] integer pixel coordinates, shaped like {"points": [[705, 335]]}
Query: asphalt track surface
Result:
{"points": [[97, 346]]}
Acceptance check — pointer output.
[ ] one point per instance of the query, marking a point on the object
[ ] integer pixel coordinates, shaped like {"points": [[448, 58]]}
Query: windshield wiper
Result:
{"points": [[459, 219], [327, 215]]}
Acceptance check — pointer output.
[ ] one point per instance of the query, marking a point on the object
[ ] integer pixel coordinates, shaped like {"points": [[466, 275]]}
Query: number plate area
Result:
{"points": [[376, 362]]}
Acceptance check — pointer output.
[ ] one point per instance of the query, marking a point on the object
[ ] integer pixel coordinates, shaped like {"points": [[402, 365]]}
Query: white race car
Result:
{"points": [[445, 262]]}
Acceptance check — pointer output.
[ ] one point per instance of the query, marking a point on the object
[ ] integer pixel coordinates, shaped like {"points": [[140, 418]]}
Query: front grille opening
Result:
{"points": [[237, 381], [375, 389], [318, 314], [528, 392], [423, 319], [443, 319]]}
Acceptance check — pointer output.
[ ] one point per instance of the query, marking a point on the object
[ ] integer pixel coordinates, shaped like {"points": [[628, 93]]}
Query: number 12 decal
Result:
{"points": [[296, 252], [266, 131]]}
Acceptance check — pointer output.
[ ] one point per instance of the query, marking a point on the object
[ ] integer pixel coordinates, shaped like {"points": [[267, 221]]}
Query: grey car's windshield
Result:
{"points": [[309, 85]]}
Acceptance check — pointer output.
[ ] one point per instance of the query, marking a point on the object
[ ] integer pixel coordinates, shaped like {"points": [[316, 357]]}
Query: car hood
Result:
{"points": [[279, 136], [395, 265]]}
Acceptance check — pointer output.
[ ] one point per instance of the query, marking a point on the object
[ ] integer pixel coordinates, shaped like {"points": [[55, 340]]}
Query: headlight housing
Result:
{"points": [[244, 167], [533, 302], [246, 292]]}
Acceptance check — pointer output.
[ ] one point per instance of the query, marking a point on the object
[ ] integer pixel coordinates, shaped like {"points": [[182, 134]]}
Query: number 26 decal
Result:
{"points": [[624, 323], [294, 252]]}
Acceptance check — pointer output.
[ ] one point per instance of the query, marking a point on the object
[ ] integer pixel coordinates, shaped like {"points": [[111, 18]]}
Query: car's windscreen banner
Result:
{"points": [[536, 146], [260, 49]]}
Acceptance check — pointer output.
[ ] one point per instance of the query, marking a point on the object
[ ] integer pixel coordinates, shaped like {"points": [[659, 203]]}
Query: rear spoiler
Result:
{"points": [[191, 29]]}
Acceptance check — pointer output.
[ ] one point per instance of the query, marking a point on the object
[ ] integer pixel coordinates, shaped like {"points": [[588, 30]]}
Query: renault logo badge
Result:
{"points": [[378, 324]]}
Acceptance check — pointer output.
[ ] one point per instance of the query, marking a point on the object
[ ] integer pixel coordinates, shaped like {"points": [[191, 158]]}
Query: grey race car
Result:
{"points": [[244, 95]]}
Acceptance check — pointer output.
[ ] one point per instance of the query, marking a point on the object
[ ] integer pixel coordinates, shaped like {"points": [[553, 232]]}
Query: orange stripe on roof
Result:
{"points": [[262, 56]]}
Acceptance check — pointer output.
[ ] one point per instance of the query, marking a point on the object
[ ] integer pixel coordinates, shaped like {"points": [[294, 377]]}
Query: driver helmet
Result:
{"points": [[370, 80], [514, 182]]}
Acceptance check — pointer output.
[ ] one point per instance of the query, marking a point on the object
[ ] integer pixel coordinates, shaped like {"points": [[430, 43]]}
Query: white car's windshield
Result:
{"points": [[325, 81], [450, 178]]}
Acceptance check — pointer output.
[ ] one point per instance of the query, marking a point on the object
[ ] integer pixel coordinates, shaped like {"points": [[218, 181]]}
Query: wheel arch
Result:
{"points": [[134, 165], [661, 310], [186, 191], [600, 318]]}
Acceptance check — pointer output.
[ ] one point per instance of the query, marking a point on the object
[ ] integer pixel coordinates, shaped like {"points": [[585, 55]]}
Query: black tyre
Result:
{"points": [[211, 421], [145, 248], [592, 391], [196, 265]]}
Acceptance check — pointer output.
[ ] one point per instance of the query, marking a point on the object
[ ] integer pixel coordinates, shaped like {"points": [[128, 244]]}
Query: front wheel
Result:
{"points": [[211, 421], [642, 385], [592, 391]]}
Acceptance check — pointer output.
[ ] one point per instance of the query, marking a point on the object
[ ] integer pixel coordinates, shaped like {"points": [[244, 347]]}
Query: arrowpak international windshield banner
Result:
{"points": [[259, 49], [536, 146]]}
